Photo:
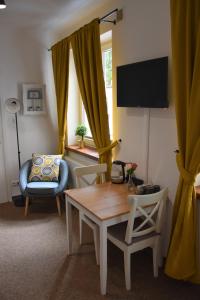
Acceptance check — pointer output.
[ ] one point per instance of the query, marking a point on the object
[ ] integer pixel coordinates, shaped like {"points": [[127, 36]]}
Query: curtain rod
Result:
{"points": [[103, 19]]}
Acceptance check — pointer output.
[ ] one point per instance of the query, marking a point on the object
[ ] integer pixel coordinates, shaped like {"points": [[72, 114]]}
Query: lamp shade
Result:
{"points": [[2, 4], [12, 105]]}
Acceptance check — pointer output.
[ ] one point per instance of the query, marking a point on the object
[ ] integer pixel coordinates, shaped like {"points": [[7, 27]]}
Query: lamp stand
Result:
{"points": [[16, 123], [19, 199]]}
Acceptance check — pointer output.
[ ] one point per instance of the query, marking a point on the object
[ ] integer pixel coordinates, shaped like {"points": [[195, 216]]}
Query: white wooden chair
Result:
{"points": [[139, 233], [88, 176]]}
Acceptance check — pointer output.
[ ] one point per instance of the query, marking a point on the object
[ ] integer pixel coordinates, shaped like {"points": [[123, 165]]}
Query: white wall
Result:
{"points": [[21, 60], [144, 33], [3, 185]]}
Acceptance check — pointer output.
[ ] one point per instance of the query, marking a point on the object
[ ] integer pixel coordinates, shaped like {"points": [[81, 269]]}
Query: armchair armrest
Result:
{"points": [[23, 175], [63, 177]]}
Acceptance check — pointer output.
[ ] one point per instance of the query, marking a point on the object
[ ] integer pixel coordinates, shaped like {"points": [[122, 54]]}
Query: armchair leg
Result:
{"points": [[26, 206], [58, 205]]}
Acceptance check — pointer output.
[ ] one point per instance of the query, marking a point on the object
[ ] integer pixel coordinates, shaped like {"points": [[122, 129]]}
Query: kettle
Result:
{"points": [[118, 173]]}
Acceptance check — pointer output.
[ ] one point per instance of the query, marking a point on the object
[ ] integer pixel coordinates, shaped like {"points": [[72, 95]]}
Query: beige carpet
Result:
{"points": [[34, 264]]}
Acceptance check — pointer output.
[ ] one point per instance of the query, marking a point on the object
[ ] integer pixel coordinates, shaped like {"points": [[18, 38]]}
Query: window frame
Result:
{"points": [[88, 139]]}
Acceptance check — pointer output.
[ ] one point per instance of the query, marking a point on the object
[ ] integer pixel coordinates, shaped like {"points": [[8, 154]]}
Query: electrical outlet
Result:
{"points": [[15, 182]]}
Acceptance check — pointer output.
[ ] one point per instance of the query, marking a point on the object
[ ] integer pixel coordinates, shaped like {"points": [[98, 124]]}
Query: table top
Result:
{"points": [[105, 200]]}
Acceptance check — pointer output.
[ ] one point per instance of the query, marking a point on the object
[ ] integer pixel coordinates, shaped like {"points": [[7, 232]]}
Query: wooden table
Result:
{"points": [[105, 204]]}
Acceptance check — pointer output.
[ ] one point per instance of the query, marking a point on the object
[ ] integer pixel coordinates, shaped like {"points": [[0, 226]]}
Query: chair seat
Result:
{"points": [[119, 231], [42, 188]]}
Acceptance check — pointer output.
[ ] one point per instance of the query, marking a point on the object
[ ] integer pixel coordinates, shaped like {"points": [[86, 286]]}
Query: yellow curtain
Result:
{"points": [[60, 61], [88, 62], [182, 260]]}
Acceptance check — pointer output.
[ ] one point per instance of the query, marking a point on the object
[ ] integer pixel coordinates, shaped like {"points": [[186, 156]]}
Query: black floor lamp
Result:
{"points": [[12, 105]]}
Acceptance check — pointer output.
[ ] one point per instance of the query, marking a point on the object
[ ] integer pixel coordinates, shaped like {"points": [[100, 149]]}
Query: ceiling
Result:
{"points": [[46, 13]]}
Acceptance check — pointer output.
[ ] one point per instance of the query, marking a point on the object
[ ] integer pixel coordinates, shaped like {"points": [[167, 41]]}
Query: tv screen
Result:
{"points": [[143, 84]]}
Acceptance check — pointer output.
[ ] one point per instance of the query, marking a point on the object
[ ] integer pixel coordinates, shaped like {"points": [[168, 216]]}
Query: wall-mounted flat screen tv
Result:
{"points": [[143, 84]]}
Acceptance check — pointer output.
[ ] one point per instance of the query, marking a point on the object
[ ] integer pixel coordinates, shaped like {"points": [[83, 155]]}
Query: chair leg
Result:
{"points": [[80, 229], [127, 269], [58, 205], [155, 257], [160, 256], [26, 206], [96, 244]]}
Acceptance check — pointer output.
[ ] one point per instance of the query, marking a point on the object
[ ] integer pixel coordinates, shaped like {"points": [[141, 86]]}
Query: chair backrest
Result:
{"points": [[97, 170], [150, 208]]}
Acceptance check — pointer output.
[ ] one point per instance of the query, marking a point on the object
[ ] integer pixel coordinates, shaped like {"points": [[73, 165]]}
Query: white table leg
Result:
{"points": [[69, 225], [103, 258]]}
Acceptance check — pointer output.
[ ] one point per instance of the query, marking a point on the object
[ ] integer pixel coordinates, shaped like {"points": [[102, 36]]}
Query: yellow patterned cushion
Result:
{"points": [[45, 167]]}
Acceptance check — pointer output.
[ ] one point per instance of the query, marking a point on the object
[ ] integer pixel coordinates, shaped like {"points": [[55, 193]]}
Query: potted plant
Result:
{"points": [[81, 131]]}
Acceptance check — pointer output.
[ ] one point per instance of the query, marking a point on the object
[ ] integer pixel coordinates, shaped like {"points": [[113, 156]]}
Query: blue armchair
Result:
{"points": [[42, 189]]}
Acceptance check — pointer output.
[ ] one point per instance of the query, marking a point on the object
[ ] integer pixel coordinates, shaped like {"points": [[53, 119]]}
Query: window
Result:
{"points": [[107, 70]]}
